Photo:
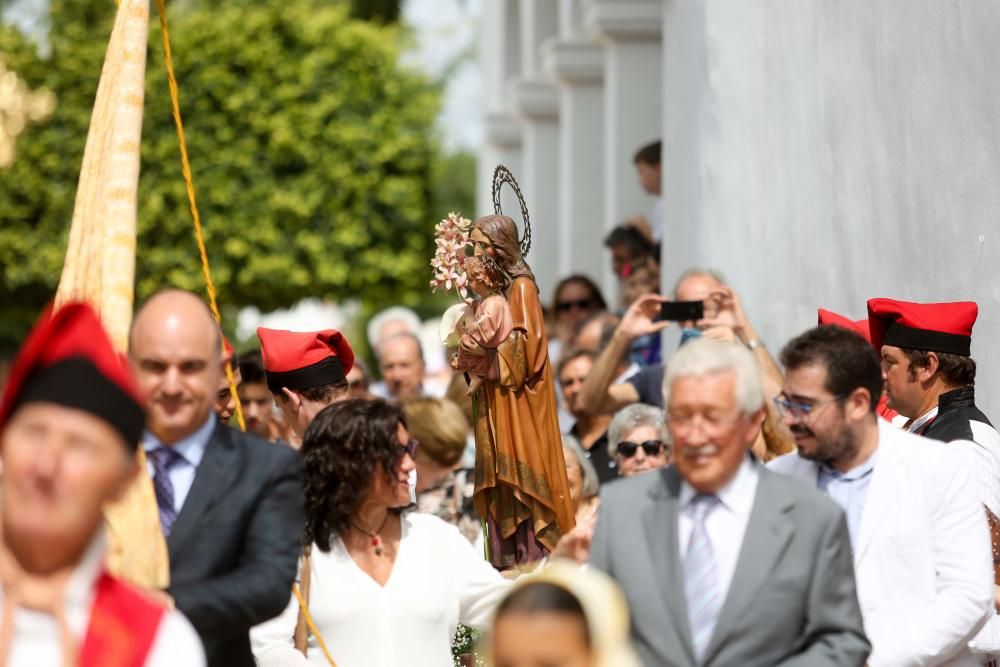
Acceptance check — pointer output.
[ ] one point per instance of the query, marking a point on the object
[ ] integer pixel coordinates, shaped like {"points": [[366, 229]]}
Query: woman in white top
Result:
{"points": [[386, 586]]}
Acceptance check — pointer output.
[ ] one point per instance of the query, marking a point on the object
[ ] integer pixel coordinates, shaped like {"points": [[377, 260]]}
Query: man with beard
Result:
{"points": [[919, 536]]}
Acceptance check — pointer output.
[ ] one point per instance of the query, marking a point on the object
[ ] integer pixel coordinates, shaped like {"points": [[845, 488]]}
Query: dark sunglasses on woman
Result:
{"points": [[409, 448], [651, 447], [579, 304]]}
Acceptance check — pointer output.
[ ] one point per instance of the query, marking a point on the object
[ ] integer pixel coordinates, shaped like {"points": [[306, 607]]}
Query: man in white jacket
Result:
{"points": [[919, 536]]}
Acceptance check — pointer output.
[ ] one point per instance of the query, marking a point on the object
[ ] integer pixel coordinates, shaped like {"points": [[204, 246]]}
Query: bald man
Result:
{"points": [[230, 503]]}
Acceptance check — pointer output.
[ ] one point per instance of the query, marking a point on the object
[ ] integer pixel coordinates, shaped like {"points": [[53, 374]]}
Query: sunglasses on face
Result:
{"points": [[409, 449], [581, 304], [651, 447]]}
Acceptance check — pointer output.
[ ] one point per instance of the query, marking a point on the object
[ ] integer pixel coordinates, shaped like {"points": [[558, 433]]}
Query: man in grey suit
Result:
{"points": [[722, 561]]}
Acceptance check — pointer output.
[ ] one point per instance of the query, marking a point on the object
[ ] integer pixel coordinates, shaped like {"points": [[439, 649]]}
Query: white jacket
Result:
{"points": [[922, 560]]}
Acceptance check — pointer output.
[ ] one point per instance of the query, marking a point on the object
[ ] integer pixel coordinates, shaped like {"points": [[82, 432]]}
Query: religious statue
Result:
{"points": [[521, 489]]}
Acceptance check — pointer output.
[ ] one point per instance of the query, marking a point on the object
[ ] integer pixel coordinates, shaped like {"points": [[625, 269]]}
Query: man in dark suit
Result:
{"points": [[230, 504], [723, 562]]}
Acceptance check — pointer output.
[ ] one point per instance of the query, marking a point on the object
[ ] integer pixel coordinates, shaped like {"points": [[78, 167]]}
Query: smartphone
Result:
{"points": [[682, 311]]}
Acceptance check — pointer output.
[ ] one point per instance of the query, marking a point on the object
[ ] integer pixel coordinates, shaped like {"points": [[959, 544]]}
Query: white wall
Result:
{"points": [[824, 152]]}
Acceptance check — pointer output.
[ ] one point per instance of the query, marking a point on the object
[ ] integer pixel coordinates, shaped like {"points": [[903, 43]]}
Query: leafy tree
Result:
{"points": [[312, 152]]}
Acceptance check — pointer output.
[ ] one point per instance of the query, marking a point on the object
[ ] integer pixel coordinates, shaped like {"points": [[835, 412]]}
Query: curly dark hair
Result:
{"points": [[342, 449]]}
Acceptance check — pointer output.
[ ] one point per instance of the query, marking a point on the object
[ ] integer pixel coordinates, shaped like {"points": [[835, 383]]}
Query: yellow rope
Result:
{"points": [[312, 626], [189, 182]]}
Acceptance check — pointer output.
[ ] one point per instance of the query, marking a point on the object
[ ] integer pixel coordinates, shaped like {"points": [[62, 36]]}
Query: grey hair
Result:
{"points": [[393, 314], [632, 417], [697, 272], [405, 335], [704, 356], [591, 484]]}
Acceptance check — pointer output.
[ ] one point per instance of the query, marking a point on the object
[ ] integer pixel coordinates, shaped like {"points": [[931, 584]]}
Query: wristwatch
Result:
{"points": [[754, 343]]}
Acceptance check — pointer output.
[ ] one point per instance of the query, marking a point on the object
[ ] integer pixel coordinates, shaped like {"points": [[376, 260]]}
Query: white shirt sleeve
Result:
{"points": [[176, 643], [480, 587], [272, 642]]}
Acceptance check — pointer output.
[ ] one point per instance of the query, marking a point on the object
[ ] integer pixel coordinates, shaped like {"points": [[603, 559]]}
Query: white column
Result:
{"points": [[500, 60], [630, 31], [536, 102], [578, 65]]}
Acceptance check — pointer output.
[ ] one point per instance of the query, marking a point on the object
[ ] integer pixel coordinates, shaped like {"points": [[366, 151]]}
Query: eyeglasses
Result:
{"points": [[800, 410], [683, 424], [628, 449], [580, 304], [409, 449]]}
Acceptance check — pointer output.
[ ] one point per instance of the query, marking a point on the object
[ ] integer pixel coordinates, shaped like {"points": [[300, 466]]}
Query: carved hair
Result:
{"points": [[502, 233]]}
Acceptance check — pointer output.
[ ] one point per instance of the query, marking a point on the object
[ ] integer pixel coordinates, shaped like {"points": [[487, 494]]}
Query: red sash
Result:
{"points": [[123, 625]]}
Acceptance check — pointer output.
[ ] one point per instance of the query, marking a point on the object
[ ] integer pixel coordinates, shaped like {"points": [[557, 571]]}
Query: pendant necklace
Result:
{"points": [[376, 538]]}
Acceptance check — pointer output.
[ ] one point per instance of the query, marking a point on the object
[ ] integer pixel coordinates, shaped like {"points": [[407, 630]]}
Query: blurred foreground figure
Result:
{"points": [[71, 419], [230, 503], [565, 616], [722, 561]]}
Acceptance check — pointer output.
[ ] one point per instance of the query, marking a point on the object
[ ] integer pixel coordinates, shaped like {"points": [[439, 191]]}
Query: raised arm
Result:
{"points": [[598, 396]]}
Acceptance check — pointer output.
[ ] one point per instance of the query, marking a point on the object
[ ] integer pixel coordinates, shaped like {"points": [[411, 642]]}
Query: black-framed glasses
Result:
{"points": [[580, 304], [800, 410], [627, 449], [409, 449]]}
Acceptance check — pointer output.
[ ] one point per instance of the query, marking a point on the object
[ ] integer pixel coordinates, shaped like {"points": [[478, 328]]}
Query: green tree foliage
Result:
{"points": [[313, 154]]}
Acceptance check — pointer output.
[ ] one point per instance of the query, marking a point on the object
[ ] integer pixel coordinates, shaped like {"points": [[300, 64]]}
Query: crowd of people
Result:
{"points": [[837, 508]]}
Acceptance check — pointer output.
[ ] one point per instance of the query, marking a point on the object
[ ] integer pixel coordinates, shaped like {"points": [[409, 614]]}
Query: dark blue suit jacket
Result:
{"points": [[235, 545]]}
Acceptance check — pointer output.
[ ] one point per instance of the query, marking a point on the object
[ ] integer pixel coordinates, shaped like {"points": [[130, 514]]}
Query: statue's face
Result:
{"points": [[481, 243]]}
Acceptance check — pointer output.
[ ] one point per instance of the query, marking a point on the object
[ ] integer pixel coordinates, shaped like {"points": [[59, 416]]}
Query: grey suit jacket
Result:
{"points": [[791, 601]]}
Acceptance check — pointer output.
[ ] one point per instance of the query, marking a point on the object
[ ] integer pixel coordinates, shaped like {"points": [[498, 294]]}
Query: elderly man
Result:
{"points": [[230, 503], [401, 362], [67, 451], [920, 538], [306, 371], [722, 561]]}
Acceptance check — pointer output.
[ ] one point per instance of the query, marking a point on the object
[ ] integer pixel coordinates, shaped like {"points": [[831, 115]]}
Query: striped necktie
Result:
{"points": [[701, 576], [163, 459]]}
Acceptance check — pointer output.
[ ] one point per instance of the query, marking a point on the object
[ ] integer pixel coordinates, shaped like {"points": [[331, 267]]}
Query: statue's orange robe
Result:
{"points": [[520, 469]]}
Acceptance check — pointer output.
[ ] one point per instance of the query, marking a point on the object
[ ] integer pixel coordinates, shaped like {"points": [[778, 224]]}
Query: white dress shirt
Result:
{"points": [[191, 450], [726, 523], [36, 637], [437, 581], [922, 420]]}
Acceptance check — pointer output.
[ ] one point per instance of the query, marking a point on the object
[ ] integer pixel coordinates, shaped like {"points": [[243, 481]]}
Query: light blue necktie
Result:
{"points": [[701, 577]]}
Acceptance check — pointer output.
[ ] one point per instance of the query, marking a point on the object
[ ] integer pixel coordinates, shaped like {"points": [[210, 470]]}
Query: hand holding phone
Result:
{"points": [[682, 311]]}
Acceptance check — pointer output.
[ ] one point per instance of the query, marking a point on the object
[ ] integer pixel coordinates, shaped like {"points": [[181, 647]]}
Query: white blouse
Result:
{"points": [[438, 579]]}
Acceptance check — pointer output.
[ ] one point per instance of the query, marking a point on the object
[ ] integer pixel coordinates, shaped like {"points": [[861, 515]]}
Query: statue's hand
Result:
{"points": [[470, 346]]}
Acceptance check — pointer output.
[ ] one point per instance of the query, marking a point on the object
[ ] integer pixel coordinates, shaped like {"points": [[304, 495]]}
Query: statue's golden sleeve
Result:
{"points": [[512, 361]]}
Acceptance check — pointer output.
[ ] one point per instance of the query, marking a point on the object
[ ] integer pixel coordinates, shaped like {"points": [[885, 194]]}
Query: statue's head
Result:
{"points": [[496, 237]]}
